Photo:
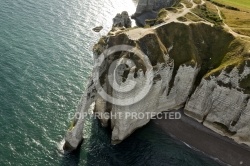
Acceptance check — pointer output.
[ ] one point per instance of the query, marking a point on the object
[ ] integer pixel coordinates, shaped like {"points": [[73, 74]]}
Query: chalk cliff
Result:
{"points": [[221, 104], [195, 66], [201, 68]]}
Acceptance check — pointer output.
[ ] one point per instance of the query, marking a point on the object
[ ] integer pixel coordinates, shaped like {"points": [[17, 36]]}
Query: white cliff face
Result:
{"points": [[183, 84], [74, 135], [218, 101], [156, 100], [134, 116], [100, 108], [221, 105], [128, 117], [242, 128], [199, 104]]}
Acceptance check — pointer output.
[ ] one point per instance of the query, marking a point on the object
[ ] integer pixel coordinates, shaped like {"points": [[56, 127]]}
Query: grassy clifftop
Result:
{"points": [[236, 3], [235, 13], [211, 48]]}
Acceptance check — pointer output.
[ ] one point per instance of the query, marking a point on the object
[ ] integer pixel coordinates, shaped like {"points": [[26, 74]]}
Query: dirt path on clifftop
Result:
{"points": [[138, 33], [173, 17], [228, 28]]}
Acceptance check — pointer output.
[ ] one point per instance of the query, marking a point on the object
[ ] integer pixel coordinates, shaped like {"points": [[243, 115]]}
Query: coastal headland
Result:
{"points": [[187, 55]]}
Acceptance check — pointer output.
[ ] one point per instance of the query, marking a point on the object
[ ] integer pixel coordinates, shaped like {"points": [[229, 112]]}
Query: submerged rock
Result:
{"points": [[97, 29]]}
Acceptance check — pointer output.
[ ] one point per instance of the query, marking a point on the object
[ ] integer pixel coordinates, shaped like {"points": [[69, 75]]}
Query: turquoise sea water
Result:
{"points": [[45, 59]]}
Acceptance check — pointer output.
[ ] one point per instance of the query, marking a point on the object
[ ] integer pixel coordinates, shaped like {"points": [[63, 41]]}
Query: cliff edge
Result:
{"points": [[179, 60], [197, 67]]}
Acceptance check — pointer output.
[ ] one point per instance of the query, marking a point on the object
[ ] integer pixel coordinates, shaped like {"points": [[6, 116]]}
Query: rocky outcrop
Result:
{"points": [[74, 135], [122, 20], [148, 9], [175, 97]]}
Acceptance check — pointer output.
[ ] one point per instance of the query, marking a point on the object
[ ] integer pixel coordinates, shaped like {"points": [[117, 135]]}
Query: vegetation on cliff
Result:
{"points": [[234, 13], [212, 48]]}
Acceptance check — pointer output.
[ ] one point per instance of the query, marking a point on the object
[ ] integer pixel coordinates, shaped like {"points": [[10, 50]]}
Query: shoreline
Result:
{"points": [[202, 139]]}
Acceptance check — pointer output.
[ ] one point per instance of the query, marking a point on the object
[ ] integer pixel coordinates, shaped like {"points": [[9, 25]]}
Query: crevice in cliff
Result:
{"points": [[241, 113], [171, 83], [208, 106], [223, 128], [245, 84]]}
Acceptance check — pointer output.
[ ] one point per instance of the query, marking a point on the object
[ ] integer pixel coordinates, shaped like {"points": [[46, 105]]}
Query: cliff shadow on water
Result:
{"points": [[146, 146], [72, 159]]}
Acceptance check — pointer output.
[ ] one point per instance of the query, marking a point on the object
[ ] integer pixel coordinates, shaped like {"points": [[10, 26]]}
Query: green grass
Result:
{"points": [[235, 16], [163, 13], [206, 13], [187, 3], [197, 1], [72, 125], [193, 17], [182, 19], [235, 3]]}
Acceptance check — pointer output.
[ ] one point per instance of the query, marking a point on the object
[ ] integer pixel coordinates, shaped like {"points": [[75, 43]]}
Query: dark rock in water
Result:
{"points": [[148, 9], [68, 148], [122, 20], [97, 29]]}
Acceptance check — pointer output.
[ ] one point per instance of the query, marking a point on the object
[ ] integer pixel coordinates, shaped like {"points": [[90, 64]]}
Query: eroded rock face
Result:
{"points": [[156, 101], [197, 67], [160, 67], [221, 105], [148, 9], [175, 97], [242, 127], [123, 126], [122, 20], [187, 72]]}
